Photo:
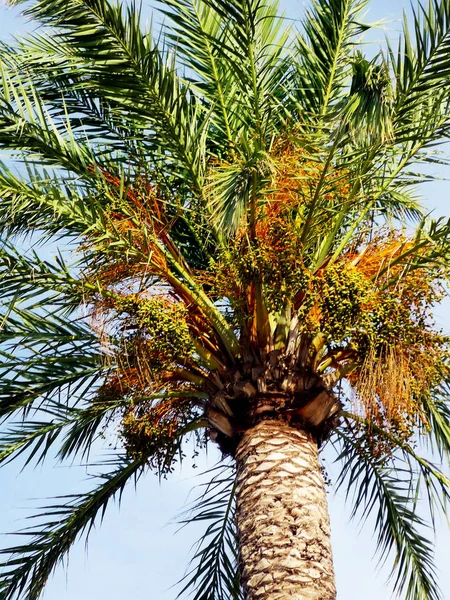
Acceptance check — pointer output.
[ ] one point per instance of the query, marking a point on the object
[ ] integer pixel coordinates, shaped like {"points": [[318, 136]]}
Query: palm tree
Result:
{"points": [[250, 263]]}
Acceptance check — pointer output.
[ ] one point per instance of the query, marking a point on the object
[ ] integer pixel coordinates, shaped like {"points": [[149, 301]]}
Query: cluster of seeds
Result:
{"points": [[161, 322], [148, 433], [152, 338], [335, 303], [274, 261]]}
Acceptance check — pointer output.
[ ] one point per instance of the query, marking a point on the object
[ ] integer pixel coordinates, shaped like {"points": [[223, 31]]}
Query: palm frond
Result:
{"points": [[34, 437], [215, 572], [437, 413], [330, 33], [428, 475], [421, 65], [43, 203], [44, 355], [197, 31], [235, 189], [116, 61], [39, 63], [27, 276], [29, 381], [71, 430], [421, 70], [252, 49], [28, 127], [377, 485], [80, 214], [430, 248], [369, 106], [28, 566]]}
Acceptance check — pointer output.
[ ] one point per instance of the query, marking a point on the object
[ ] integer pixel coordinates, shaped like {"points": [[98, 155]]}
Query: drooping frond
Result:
{"points": [[50, 365], [215, 572], [28, 126], [57, 358], [383, 486], [70, 429], [369, 107], [437, 412], [58, 527]]}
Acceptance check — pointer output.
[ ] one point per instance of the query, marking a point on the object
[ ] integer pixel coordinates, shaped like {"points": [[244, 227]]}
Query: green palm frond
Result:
{"points": [[215, 572], [437, 412], [59, 526], [27, 276], [137, 82], [330, 33], [421, 64], [421, 70], [198, 32], [370, 101], [43, 202], [70, 429], [253, 49], [384, 487], [235, 188], [426, 474], [91, 120], [43, 352], [28, 126], [35, 437], [58, 360], [430, 248]]}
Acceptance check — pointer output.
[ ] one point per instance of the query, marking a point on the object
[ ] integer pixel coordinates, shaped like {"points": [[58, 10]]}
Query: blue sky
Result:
{"points": [[136, 554]]}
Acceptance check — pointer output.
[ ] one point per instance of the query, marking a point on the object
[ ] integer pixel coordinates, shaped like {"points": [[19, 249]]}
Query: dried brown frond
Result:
{"points": [[379, 253], [390, 385], [294, 180], [384, 385]]}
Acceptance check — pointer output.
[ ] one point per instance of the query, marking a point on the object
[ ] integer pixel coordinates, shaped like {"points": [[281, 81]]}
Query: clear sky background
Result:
{"points": [[137, 553]]}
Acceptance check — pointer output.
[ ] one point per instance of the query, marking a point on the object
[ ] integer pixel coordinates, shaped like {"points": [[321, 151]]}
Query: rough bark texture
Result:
{"points": [[282, 516]]}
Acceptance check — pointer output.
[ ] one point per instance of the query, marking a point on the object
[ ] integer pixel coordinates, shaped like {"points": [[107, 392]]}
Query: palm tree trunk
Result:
{"points": [[282, 516]]}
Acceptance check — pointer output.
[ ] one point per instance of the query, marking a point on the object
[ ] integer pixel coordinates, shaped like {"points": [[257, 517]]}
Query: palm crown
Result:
{"points": [[247, 243]]}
